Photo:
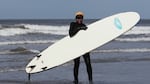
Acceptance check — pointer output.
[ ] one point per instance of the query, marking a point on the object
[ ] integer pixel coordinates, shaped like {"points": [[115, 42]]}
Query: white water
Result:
{"points": [[27, 42], [44, 29], [63, 30], [58, 30]]}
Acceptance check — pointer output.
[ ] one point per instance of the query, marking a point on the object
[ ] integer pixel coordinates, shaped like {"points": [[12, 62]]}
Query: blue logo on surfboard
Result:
{"points": [[117, 23]]}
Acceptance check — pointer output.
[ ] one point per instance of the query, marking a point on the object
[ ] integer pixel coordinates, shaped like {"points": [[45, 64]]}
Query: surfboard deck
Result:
{"points": [[97, 34]]}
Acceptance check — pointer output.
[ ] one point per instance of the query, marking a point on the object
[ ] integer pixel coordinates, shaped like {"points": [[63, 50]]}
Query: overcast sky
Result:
{"points": [[65, 9]]}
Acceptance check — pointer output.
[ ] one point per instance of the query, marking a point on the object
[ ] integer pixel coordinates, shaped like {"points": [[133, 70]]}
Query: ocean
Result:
{"points": [[125, 60]]}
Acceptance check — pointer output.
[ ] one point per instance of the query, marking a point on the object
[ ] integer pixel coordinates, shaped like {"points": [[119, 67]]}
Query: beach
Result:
{"points": [[103, 73], [124, 60]]}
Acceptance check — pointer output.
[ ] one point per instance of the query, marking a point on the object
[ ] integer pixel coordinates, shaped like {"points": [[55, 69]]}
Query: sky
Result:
{"points": [[66, 9]]}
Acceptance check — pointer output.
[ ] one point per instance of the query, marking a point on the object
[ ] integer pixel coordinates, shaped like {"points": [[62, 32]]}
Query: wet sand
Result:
{"points": [[136, 72]]}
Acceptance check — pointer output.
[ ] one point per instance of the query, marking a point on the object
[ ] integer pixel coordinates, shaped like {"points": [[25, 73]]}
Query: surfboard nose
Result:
{"points": [[137, 15]]}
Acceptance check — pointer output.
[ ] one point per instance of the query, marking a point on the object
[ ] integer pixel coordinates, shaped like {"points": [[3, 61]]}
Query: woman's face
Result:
{"points": [[79, 19]]}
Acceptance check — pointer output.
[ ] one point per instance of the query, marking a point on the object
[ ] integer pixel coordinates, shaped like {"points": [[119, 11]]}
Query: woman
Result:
{"points": [[75, 27]]}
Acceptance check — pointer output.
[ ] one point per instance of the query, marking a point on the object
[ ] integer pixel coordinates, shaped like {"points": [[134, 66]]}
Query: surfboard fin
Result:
{"points": [[44, 68], [38, 56], [33, 66]]}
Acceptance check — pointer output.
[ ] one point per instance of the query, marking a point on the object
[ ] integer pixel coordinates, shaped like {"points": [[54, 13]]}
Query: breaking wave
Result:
{"points": [[29, 28], [144, 30], [123, 50], [138, 33], [27, 42], [19, 50]]}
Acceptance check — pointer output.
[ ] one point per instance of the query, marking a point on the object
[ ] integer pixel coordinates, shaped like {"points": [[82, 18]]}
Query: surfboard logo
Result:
{"points": [[117, 23]]}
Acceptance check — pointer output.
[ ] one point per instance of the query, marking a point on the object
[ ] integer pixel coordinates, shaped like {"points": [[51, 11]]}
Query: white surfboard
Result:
{"points": [[97, 34]]}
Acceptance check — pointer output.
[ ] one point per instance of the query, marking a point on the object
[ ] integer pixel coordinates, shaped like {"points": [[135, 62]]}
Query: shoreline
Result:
{"points": [[103, 73]]}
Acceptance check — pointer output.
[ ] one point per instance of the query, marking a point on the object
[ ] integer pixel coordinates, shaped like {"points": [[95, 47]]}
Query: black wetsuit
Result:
{"points": [[74, 28]]}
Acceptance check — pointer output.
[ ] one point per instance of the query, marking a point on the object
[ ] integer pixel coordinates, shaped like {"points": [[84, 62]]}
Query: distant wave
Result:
{"points": [[27, 42], [123, 50], [11, 69], [133, 39], [119, 59], [139, 30], [13, 26], [19, 50], [138, 33]]}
